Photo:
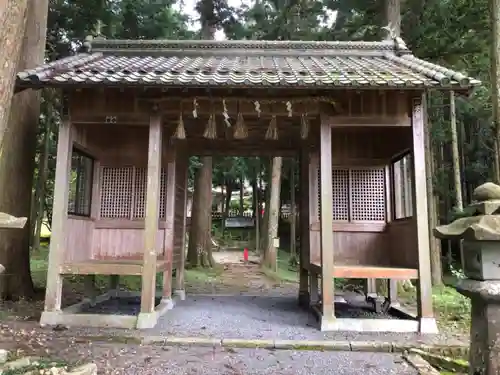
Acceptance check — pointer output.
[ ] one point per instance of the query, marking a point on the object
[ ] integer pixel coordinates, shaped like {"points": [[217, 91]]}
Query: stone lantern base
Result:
{"points": [[484, 355]]}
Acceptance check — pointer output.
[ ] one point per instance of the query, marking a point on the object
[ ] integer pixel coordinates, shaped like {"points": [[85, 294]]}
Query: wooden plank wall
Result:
{"points": [[365, 243], [103, 238]]}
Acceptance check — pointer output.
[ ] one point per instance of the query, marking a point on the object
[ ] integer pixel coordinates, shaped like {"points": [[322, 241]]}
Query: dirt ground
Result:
{"points": [[21, 333]]}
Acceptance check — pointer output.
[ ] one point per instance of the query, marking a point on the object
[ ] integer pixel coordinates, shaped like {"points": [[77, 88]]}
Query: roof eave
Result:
{"points": [[23, 85]]}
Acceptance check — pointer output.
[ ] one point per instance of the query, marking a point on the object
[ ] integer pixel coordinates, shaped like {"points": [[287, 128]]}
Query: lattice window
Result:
{"points": [[116, 192], [358, 194], [318, 191], [80, 184], [340, 183], [368, 195], [140, 182], [132, 202], [163, 193]]}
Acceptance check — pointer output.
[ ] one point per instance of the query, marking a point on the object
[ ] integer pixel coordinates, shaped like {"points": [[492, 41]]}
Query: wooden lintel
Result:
{"points": [[230, 105], [371, 121]]}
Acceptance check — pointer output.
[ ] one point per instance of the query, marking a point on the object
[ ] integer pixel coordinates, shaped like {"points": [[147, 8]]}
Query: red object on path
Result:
{"points": [[245, 254]]}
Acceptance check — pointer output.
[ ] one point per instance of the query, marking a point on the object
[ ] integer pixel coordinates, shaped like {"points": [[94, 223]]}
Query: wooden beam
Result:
{"points": [[419, 181], [151, 221], [326, 220], [169, 105], [369, 272], [169, 219], [59, 218], [370, 121], [109, 267]]}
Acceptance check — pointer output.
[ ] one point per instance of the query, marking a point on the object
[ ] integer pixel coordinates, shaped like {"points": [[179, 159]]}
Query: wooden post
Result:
{"points": [[169, 220], [257, 210], [326, 224], [419, 182], [182, 179], [59, 220], [304, 220], [148, 290], [293, 211]]}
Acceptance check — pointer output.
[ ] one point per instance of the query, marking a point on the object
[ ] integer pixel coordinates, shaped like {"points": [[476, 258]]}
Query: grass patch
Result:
{"points": [[285, 272], [452, 309], [40, 366], [444, 364]]}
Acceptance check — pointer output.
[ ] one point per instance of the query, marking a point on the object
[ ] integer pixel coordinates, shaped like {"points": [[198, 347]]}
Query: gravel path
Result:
{"points": [[204, 361], [246, 317], [132, 359]]}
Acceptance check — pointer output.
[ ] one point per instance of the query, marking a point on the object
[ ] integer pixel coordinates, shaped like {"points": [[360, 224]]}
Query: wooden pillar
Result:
{"points": [[169, 227], [293, 210], [420, 214], [148, 291], [59, 219], [304, 221], [326, 224], [181, 208]]}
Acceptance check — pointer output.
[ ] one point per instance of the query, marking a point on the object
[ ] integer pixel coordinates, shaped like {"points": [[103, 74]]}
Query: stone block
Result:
{"points": [[371, 346]]}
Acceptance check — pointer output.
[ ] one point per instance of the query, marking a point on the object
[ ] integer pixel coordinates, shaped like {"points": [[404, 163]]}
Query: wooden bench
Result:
{"points": [[368, 272], [108, 267]]}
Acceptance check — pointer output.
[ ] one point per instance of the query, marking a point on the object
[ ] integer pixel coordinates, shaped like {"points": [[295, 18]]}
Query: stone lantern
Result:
{"points": [[10, 222], [481, 264]]}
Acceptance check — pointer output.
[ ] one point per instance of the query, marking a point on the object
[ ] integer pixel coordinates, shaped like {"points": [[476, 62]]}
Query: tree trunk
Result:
{"points": [[455, 155], [495, 78], [13, 16], [227, 204], [18, 147], [242, 196], [393, 15], [393, 19], [435, 244], [200, 245], [265, 219], [42, 185], [271, 252]]}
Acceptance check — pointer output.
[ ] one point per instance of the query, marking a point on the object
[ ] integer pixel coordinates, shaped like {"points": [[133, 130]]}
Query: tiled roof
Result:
{"points": [[386, 64]]}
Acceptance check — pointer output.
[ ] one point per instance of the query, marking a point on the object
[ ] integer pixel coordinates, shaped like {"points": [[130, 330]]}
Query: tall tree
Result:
{"points": [[200, 244], [270, 251], [13, 17], [457, 179], [17, 157], [495, 78]]}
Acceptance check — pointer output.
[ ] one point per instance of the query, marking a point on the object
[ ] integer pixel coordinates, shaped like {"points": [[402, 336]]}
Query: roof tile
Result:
{"points": [[246, 63]]}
